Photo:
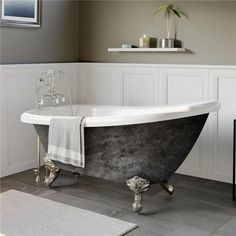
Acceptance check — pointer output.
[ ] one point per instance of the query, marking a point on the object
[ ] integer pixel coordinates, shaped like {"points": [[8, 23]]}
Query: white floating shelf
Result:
{"points": [[147, 49]]}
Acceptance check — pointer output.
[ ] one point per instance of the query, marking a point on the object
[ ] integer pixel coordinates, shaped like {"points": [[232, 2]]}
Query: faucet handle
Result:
{"points": [[41, 102], [50, 72], [57, 101], [63, 99]]}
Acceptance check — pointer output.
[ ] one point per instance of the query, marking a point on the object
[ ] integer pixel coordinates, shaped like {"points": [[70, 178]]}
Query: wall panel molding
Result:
{"points": [[186, 85], [222, 87], [17, 94], [124, 84], [139, 85]]}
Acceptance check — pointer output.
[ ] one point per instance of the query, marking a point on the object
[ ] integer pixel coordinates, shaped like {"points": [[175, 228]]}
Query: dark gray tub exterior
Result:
{"points": [[153, 151]]}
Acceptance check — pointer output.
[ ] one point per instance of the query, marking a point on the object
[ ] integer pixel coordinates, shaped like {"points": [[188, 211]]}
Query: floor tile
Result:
{"points": [[200, 196], [228, 228], [84, 203], [38, 190], [149, 225], [196, 214], [198, 206]]}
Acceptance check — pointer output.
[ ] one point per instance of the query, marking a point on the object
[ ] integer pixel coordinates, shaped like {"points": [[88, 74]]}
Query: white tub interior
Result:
{"points": [[103, 110], [103, 115]]}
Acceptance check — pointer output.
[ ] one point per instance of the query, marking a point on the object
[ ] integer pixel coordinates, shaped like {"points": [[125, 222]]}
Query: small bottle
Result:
{"points": [[144, 41]]}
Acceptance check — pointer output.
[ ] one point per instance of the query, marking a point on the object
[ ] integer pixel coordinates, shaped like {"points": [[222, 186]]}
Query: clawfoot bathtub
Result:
{"points": [[136, 145]]}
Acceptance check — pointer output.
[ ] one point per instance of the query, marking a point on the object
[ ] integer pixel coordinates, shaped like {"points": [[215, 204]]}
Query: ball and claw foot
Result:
{"points": [[37, 173], [53, 170], [51, 178], [167, 187], [76, 175], [138, 186]]}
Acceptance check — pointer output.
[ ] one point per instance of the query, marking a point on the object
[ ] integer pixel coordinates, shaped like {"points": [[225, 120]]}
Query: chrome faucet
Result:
{"points": [[47, 79]]}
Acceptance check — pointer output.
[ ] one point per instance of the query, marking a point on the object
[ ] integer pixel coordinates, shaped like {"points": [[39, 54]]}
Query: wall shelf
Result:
{"points": [[147, 49]]}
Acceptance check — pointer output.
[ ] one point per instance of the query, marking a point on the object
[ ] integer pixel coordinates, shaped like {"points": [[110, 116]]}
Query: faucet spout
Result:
{"points": [[48, 79], [55, 98]]}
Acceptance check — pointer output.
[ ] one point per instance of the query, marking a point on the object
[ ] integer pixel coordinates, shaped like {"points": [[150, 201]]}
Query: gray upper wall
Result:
{"points": [[73, 31], [210, 31], [56, 41]]}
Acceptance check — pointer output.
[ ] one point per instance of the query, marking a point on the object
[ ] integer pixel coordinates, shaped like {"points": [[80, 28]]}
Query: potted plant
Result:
{"points": [[170, 12]]}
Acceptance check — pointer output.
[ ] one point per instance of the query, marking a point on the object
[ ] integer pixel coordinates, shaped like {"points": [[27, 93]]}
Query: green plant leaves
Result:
{"points": [[161, 8], [168, 10], [175, 12]]}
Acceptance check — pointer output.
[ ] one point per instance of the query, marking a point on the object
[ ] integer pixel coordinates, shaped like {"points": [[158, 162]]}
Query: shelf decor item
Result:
{"points": [[128, 45], [147, 42], [144, 41], [21, 13], [169, 12]]}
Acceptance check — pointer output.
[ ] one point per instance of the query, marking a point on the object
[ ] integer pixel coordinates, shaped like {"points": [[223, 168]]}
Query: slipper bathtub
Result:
{"points": [[139, 145]]}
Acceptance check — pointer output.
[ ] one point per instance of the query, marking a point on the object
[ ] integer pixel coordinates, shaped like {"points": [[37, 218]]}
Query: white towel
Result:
{"points": [[66, 140]]}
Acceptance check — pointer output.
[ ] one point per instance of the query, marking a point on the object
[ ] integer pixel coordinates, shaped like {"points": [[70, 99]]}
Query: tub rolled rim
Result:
{"points": [[153, 114]]}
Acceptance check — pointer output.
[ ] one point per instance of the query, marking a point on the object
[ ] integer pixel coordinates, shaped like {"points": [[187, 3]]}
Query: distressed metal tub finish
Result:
{"points": [[152, 151]]}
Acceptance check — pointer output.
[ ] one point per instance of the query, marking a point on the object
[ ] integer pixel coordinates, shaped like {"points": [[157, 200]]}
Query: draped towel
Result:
{"points": [[66, 140]]}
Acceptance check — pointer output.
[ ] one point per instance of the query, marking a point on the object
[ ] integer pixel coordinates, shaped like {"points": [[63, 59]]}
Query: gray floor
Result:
{"points": [[198, 207]]}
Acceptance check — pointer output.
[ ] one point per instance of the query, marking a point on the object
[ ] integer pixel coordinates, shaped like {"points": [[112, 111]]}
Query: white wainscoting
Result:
{"points": [[97, 85], [17, 94], [133, 84], [222, 85], [185, 86], [17, 140], [139, 85], [125, 84]]}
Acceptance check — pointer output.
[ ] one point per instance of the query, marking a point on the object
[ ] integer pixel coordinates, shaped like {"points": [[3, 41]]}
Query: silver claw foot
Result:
{"points": [[53, 170], [76, 175], [138, 186], [37, 173], [167, 187]]}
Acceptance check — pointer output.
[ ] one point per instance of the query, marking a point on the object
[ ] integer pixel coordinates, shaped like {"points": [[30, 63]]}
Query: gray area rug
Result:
{"points": [[25, 214]]}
